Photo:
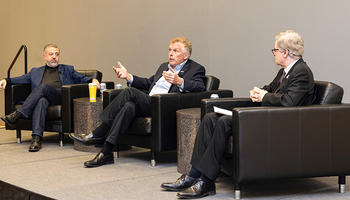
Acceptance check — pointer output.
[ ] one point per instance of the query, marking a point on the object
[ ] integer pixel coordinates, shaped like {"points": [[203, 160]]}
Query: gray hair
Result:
{"points": [[50, 45], [291, 41], [187, 44]]}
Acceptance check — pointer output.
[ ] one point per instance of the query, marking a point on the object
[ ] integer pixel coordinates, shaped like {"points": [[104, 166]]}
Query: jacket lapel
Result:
{"points": [[38, 76]]}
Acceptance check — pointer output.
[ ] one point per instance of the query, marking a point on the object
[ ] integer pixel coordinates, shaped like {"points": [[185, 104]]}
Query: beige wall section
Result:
{"points": [[232, 38]]}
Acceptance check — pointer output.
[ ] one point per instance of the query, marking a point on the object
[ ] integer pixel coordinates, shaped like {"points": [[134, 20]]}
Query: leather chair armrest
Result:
{"points": [[70, 92], [290, 141], [164, 107], [15, 94], [225, 103], [109, 84], [193, 99]]}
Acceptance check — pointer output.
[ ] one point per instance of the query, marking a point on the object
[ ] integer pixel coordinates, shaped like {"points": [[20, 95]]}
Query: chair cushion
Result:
{"points": [[140, 126], [53, 112]]}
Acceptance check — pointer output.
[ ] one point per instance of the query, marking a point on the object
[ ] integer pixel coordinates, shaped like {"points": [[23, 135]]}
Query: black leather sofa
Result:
{"points": [[287, 142]]}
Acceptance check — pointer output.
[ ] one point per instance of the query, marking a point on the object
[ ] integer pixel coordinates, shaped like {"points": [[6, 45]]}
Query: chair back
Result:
{"points": [[327, 93], [91, 73], [211, 83]]}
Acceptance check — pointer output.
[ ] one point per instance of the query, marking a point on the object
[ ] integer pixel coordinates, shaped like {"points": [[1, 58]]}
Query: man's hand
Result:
{"points": [[3, 83], [121, 72], [257, 94], [96, 82], [172, 77]]}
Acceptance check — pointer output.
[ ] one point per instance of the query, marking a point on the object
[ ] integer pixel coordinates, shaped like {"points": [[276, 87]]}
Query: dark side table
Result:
{"points": [[188, 121], [86, 119]]}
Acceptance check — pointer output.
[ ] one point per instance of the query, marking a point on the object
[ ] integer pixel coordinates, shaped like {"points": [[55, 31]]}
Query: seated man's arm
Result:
{"points": [[132, 80], [193, 79], [24, 79], [297, 90]]}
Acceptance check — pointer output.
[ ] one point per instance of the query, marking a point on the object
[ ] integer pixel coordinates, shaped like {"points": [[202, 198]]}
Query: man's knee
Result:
{"points": [[43, 102], [225, 119], [130, 106], [130, 90], [209, 117]]}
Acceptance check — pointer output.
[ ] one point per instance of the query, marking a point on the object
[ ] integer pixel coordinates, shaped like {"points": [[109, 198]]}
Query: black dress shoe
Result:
{"points": [[36, 144], [180, 184], [87, 139], [99, 160], [198, 190], [12, 118]]}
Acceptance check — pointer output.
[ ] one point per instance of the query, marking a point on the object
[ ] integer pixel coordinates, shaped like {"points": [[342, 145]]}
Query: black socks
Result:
{"points": [[107, 148], [101, 131], [194, 173]]}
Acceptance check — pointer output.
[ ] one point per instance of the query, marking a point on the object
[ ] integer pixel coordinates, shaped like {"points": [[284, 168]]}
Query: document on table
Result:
{"points": [[222, 111]]}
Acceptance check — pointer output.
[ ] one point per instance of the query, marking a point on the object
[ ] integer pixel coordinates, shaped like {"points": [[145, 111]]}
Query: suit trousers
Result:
{"points": [[209, 146], [37, 103], [119, 114]]}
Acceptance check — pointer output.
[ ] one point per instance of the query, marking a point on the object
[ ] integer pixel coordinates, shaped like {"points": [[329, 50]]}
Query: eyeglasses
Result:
{"points": [[273, 50]]}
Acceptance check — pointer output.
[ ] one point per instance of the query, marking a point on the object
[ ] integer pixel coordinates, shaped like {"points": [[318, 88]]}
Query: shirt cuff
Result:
{"points": [[131, 79], [181, 87]]}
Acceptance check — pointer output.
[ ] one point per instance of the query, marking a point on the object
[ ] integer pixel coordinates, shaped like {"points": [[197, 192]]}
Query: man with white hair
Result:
{"points": [[46, 82], [293, 86]]}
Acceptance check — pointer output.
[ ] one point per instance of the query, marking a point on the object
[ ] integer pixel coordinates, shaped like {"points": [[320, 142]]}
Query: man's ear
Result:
{"points": [[187, 56]]}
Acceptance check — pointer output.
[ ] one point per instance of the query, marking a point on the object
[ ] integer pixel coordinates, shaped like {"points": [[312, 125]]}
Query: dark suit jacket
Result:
{"points": [[192, 73], [66, 73], [296, 89]]}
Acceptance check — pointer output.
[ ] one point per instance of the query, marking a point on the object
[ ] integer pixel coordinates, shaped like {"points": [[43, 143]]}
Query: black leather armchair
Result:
{"points": [[287, 142], [158, 132], [59, 117]]}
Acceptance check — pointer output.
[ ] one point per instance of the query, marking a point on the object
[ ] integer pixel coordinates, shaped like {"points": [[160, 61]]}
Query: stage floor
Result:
{"points": [[58, 173]]}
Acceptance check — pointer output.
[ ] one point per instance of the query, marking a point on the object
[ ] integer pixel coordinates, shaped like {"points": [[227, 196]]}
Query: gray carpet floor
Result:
{"points": [[58, 172]]}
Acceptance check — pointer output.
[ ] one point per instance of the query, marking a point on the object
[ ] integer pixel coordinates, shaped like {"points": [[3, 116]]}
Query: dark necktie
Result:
{"points": [[282, 77]]}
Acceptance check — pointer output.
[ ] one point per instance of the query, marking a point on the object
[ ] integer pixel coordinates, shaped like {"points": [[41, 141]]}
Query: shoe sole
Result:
{"points": [[105, 163], [7, 122], [173, 189], [34, 150], [198, 197], [86, 143]]}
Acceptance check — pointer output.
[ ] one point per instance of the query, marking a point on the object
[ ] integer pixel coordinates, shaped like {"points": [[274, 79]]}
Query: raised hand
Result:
{"points": [[121, 72], [172, 77]]}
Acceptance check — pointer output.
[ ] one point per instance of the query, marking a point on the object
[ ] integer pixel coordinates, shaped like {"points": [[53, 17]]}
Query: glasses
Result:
{"points": [[273, 50]]}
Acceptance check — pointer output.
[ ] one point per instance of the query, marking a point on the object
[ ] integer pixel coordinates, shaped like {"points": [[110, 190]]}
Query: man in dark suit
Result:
{"points": [[293, 86], [180, 74], [46, 82]]}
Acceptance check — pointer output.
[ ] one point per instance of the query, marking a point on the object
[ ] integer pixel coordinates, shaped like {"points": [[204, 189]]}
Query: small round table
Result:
{"points": [[188, 121], [86, 119]]}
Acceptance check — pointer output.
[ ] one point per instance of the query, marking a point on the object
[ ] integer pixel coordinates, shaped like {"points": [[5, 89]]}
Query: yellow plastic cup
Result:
{"points": [[92, 91]]}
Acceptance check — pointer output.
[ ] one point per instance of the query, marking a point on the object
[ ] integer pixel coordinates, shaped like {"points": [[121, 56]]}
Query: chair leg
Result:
{"points": [[341, 182], [19, 136], [60, 138], [153, 158], [237, 191], [117, 152]]}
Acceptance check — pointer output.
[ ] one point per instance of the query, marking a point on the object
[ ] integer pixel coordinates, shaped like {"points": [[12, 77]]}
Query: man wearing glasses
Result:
{"points": [[293, 86]]}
